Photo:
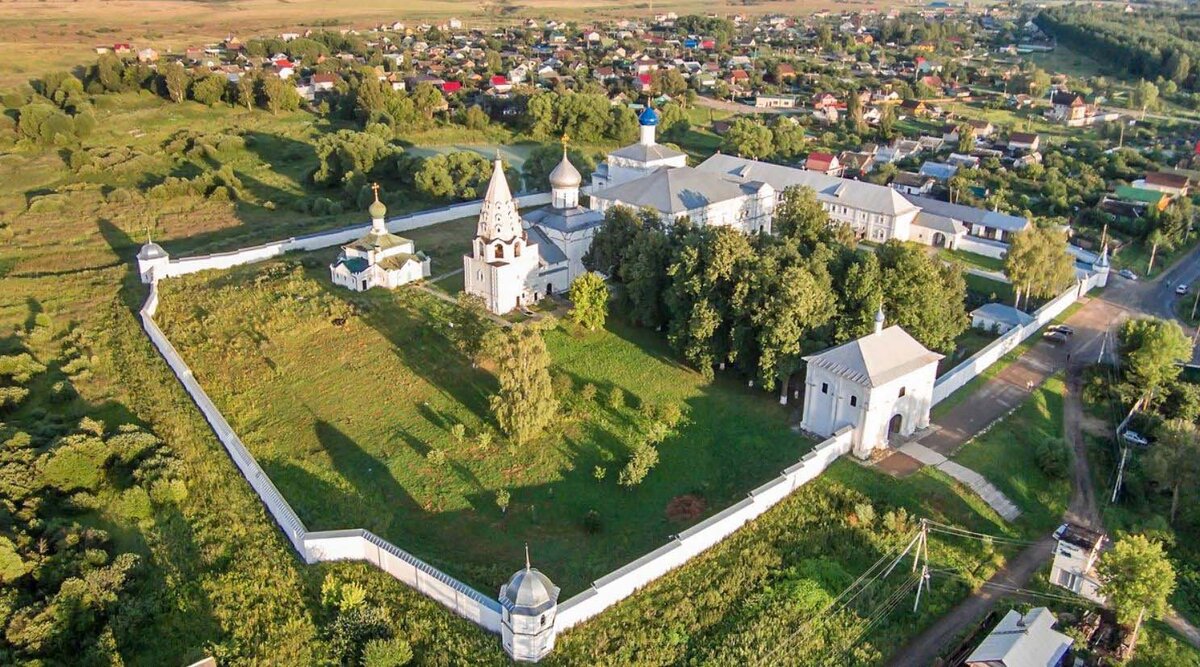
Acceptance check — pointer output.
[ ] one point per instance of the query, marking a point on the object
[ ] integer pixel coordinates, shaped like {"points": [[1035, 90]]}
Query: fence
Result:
{"points": [[329, 545], [969, 369], [319, 240], [622, 583]]}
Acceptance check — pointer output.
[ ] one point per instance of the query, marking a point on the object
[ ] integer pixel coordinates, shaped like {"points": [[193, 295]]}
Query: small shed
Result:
{"points": [[999, 318]]}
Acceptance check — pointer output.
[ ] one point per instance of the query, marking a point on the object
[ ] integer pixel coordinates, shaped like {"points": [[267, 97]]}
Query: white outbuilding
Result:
{"points": [[880, 384]]}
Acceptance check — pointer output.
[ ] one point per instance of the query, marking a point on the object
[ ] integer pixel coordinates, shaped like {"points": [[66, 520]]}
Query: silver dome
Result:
{"points": [[151, 251], [565, 175], [529, 592]]}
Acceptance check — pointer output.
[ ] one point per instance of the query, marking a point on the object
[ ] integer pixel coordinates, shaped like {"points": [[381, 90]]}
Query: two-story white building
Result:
{"points": [[1075, 559], [881, 385]]}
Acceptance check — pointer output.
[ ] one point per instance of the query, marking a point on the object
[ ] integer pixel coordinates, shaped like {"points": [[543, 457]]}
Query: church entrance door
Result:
{"points": [[939, 240], [895, 424]]}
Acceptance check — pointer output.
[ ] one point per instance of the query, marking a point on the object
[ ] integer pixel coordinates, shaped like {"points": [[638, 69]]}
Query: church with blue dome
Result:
{"points": [[637, 160]]}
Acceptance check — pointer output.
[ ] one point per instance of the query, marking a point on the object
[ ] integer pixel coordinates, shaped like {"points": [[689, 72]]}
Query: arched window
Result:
{"points": [[901, 393], [516, 250], [499, 251]]}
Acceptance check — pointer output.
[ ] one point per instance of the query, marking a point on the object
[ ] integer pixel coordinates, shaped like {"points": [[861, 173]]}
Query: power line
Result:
{"points": [[964, 532], [881, 611], [826, 613], [1014, 590]]}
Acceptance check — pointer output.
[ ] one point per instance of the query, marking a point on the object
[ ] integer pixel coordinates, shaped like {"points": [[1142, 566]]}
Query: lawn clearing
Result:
{"points": [[343, 396], [972, 259], [1007, 456]]}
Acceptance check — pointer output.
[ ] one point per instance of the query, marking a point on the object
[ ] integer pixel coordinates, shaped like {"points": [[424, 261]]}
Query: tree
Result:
{"points": [[461, 175], [1156, 238], [1178, 66], [1145, 96], [525, 403], [799, 216], [1152, 349], [427, 99], [176, 80], [966, 138], [613, 240], [1038, 263], [1136, 578], [1175, 460], [279, 95], [788, 137], [474, 118], [469, 325], [748, 138], [209, 89], [640, 463], [860, 297], [589, 299], [923, 295], [395, 652], [245, 91], [854, 112]]}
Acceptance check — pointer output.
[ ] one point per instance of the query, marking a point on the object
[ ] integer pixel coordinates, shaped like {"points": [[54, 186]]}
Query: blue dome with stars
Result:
{"points": [[648, 117]]}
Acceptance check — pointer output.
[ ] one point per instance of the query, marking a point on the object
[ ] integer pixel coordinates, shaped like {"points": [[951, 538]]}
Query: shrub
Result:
{"points": [[865, 512], [600, 472], [436, 457], [562, 384], [1052, 458], [588, 392], [503, 497], [459, 432], [640, 464], [591, 522], [616, 398], [394, 652]]}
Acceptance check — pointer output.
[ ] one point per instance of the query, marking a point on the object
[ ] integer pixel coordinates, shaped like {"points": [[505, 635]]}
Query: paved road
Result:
{"points": [[1094, 324]]}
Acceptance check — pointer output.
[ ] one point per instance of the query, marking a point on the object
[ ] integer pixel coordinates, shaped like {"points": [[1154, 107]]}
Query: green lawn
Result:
{"points": [[341, 396], [989, 289], [968, 343], [1006, 455], [971, 259]]}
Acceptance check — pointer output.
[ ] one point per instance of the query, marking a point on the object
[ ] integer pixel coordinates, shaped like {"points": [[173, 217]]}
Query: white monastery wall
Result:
{"points": [[985, 247], [970, 368], [329, 239], [622, 583]]}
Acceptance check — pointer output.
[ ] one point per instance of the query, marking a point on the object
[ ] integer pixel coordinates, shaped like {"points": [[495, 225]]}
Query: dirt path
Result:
{"points": [[1082, 508]]}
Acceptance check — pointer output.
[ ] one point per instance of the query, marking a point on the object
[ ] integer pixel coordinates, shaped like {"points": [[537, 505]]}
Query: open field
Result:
{"points": [[342, 396], [39, 37]]}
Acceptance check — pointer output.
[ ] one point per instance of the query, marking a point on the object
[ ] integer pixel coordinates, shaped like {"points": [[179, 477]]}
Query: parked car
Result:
{"points": [[1135, 438], [1062, 329], [1127, 274], [1056, 337], [1181, 290]]}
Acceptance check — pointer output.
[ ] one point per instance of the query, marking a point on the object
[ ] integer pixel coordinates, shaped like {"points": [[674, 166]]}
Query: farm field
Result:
{"points": [[343, 396]]}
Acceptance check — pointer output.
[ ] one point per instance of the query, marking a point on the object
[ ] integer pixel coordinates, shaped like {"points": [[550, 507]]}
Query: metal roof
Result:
{"points": [[877, 358], [1023, 641]]}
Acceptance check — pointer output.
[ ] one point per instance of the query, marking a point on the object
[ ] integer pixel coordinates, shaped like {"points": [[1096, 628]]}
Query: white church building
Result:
{"points": [[378, 259], [880, 384], [516, 262]]}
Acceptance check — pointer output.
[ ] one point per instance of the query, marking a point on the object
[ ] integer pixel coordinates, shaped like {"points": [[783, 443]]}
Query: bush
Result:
{"points": [[591, 522], [394, 652], [1052, 458], [616, 398], [640, 464], [588, 392]]}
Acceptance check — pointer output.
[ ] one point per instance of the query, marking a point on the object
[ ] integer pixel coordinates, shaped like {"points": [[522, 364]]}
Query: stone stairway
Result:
{"points": [[990, 494]]}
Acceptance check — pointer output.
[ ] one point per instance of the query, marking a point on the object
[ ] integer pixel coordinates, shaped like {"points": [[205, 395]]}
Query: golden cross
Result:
{"points": [[375, 187], [565, 139]]}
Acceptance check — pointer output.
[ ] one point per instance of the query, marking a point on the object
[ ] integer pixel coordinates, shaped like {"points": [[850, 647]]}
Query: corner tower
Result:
{"points": [[528, 602]]}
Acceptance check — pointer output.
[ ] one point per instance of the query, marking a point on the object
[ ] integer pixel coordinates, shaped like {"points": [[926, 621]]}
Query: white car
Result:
{"points": [[1181, 290], [1136, 439]]}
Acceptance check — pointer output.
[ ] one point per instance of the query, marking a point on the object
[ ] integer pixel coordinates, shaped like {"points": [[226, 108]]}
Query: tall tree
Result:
{"points": [[469, 325], [589, 300], [279, 95], [748, 138], [923, 295], [246, 90], [176, 80], [525, 404], [1152, 350], [860, 297], [799, 216], [1175, 460], [1038, 263], [1137, 579]]}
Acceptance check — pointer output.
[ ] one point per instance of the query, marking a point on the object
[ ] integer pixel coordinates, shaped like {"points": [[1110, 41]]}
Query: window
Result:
{"points": [[902, 392], [854, 401], [499, 251], [824, 387], [543, 620]]}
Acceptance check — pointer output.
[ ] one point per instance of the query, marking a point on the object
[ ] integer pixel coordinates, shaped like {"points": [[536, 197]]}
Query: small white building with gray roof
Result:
{"points": [[1022, 640], [880, 384]]}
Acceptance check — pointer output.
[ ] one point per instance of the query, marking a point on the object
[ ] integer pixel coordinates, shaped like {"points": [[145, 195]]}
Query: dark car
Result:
{"points": [[1063, 329], [1057, 337]]}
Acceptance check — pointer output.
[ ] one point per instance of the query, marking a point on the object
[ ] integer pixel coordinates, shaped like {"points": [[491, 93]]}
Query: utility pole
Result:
{"points": [[1120, 472], [923, 554]]}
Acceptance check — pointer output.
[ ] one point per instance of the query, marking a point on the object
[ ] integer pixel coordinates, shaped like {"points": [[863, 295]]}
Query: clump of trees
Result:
{"points": [[759, 302], [1152, 349], [1038, 264]]}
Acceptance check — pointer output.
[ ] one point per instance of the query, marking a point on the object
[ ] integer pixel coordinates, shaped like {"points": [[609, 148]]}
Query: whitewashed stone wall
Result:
{"points": [[622, 583], [329, 239], [970, 368]]}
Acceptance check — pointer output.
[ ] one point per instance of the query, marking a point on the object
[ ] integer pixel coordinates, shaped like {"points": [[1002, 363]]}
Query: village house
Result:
{"points": [[1175, 185], [1075, 559], [825, 163], [1022, 640]]}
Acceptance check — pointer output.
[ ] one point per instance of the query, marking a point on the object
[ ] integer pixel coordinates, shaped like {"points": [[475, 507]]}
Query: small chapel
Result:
{"points": [[881, 385], [379, 259]]}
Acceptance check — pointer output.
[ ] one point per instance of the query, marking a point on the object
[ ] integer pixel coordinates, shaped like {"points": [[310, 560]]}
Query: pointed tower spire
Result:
{"points": [[498, 217]]}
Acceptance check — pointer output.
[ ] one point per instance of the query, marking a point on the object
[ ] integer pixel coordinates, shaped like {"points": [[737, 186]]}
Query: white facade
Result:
{"points": [[637, 160], [378, 259], [1075, 558], [503, 263], [880, 385]]}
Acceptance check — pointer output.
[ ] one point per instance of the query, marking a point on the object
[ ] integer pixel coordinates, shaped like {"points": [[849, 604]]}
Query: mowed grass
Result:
{"points": [[342, 396], [1007, 456]]}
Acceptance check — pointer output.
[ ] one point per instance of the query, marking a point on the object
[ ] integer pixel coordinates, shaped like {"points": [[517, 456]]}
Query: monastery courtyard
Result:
{"points": [[342, 396]]}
